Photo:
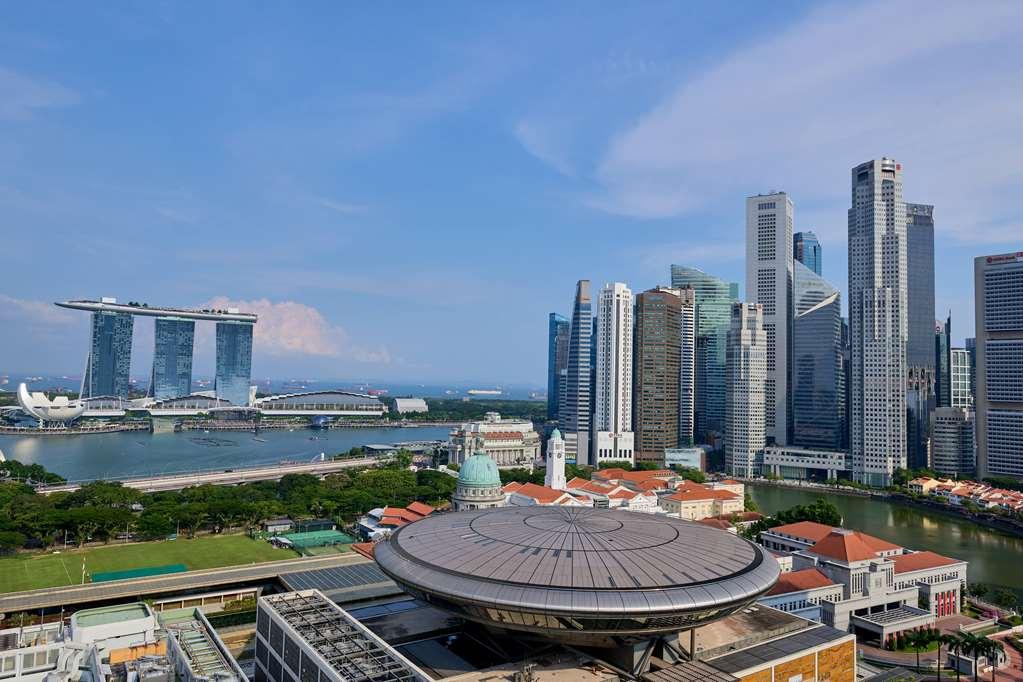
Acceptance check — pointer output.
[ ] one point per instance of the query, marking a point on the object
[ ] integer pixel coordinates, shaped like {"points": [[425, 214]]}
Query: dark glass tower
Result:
{"points": [[714, 298], [234, 362], [657, 353], [807, 250], [920, 285], [818, 399], [109, 365], [943, 363], [172, 358], [557, 359], [575, 418]]}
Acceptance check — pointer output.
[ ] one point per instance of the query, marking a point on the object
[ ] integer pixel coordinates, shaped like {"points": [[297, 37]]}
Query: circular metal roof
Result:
{"points": [[577, 561]]}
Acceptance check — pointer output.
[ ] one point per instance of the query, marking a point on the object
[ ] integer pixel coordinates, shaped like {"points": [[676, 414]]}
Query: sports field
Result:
{"points": [[35, 571]]}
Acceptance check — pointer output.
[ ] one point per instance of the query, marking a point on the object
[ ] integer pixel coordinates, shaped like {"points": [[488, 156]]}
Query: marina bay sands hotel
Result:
{"points": [[107, 369]]}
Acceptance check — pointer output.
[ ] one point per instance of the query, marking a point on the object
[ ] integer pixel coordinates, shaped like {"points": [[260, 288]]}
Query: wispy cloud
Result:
{"points": [[845, 84], [288, 328], [21, 95], [539, 141], [342, 207]]}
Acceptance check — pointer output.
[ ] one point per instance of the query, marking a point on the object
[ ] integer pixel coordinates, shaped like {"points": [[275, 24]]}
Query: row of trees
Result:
{"points": [[103, 511], [965, 644], [821, 511]]}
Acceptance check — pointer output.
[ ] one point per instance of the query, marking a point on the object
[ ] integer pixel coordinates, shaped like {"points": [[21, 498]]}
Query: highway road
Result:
{"points": [[210, 579], [227, 476]]}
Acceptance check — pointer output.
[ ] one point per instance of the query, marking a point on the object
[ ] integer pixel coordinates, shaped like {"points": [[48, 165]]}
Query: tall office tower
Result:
{"points": [[657, 351], [234, 362], [562, 391], [943, 362], [952, 451], [847, 375], [877, 321], [807, 250], [920, 285], [998, 304], [172, 358], [714, 299], [971, 350], [108, 367], [687, 367], [769, 283], [818, 379], [612, 420], [575, 418], [959, 378], [746, 383], [557, 359], [555, 476]]}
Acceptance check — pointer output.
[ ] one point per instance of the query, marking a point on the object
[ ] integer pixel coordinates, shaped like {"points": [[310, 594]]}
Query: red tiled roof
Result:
{"points": [[730, 481], [540, 493], [392, 521], [805, 530], [608, 474], [797, 581], [637, 476], [917, 561], [623, 494], [512, 486], [877, 544], [420, 508], [364, 548], [716, 523], [701, 493], [844, 545], [652, 484]]}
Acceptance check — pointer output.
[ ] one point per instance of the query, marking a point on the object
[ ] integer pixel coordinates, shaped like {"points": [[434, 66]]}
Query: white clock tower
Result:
{"points": [[555, 477]]}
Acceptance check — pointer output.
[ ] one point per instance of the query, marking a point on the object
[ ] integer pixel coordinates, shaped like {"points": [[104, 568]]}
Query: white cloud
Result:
{"points": [[342, 207], [21, 96], [289, 328], [537, 140], [18, 313], [937, 85]]}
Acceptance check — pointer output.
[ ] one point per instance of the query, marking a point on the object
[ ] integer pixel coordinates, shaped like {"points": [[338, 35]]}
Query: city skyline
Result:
{"points": [[235, 171]]}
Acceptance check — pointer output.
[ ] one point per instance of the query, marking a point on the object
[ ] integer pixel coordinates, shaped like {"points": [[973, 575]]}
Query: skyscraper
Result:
{"points": [[998, 305], [943, 362], [714, 298], [807, 250], [952, 451], [657, 351], [959, 378], [108, 367], [971, 349], [877, 321], [234, 362], [745, 434], [920, 285], [818, 379], [612, 424], [769, 220], [687, 367], [575, 418], [172, 358], [557, 359]]}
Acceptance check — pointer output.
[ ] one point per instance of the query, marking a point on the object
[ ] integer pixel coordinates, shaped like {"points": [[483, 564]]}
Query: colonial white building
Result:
{"points": [[509, 442]]}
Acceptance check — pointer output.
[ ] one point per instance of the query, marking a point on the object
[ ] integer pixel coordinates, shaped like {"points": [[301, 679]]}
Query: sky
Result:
{"points": [[403, 193]]}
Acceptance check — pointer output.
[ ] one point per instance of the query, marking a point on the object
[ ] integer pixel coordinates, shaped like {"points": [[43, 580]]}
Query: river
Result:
{"points": [[995, 558], [139, 453]]}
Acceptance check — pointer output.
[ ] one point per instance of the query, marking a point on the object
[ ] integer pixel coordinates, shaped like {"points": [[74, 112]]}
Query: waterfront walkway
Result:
{"points": [[79, 595], [271, 472]]}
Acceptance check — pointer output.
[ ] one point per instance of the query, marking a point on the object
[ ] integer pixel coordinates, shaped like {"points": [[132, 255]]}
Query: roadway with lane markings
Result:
{"points": [[78, 595], [227, 476]]}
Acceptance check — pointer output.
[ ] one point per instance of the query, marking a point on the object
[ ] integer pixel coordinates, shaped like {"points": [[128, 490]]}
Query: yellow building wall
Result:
{"points": [[132, 653]]}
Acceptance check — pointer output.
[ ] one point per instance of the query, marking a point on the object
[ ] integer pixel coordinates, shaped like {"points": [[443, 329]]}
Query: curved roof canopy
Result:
{"points": [[581, 575], [60, 409]]}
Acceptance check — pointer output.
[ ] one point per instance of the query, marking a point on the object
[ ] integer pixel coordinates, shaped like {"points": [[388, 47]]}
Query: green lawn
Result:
{"points": [[35, 571]]}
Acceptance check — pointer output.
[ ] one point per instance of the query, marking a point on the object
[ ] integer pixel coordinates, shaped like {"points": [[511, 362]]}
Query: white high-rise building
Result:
{"points": [[612, 419], [687, 368], [769, 282], [878, 323], [745, 390], [555, 477], [960, 370]]}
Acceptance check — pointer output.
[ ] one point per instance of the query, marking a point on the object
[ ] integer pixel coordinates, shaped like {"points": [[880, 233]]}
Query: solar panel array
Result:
{"points": [[337, 578]]}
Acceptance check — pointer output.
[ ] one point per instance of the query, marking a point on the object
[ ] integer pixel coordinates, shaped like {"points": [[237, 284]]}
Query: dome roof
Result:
{"points": [[480, 471], [556, 434]]}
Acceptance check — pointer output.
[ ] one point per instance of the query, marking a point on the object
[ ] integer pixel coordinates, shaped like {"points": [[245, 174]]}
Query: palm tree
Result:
{"points": [[972, 646], [918, 639], [990, 648], [951, 643]]}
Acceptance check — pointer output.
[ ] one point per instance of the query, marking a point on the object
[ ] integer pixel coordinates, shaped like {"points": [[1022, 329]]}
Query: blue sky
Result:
{"points": [[403, 192]]}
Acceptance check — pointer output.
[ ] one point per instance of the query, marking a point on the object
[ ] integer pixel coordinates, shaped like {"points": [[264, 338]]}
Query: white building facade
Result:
{"points": [[510, 442], [687, 368], [745, 400], [960, 371], [555, 476], [878, 323], [769, 220], [612, 423]]}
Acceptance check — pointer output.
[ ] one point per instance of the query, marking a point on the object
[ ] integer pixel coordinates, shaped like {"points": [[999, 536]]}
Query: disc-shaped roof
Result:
{"points": [[577, 561]]}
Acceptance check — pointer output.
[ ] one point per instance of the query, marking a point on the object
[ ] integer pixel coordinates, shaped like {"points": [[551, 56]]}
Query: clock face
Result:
{"points": [[558, 455]]}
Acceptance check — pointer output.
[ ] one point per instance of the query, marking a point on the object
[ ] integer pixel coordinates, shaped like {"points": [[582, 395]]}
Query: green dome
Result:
{"points": [[556, 434], [479, 471]]}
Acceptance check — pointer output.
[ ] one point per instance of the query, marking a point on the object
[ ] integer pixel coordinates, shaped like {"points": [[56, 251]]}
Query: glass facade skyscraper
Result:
{"points": [[714, 298], [234, 362], [806, 249], [172, 358], [943, 363], [109, 365], [575, 418], [818, 377], [920, 285], [557, 359]]}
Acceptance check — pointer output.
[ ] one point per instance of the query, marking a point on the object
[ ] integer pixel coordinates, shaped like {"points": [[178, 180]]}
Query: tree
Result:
{"points": [[1005, 598], [952, 643], [10, 541], [691, 474], [919, 640], [618, 464], [989, 649], [978, 590], [749, 504], [821, 511]]}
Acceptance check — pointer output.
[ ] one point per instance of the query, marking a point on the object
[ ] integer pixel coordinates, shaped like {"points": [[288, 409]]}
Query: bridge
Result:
{"points": [[210, 579], [274, 472]]}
